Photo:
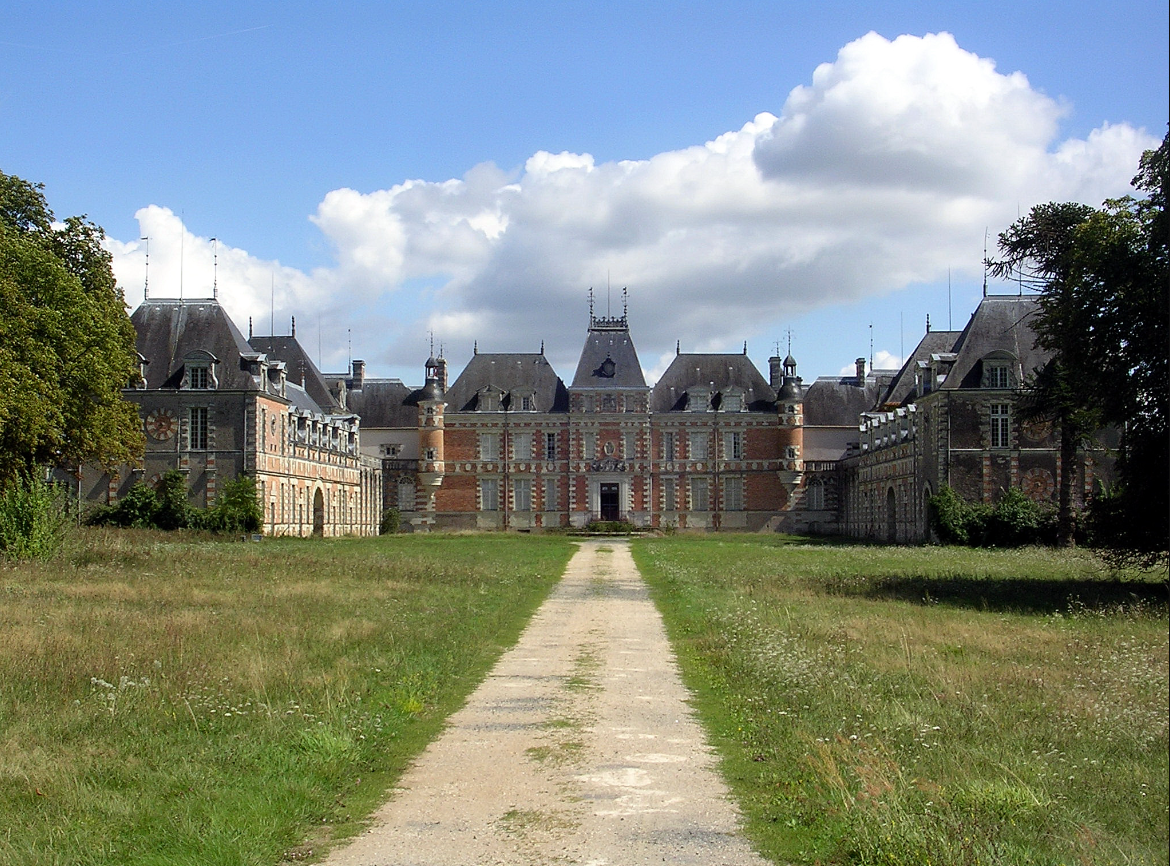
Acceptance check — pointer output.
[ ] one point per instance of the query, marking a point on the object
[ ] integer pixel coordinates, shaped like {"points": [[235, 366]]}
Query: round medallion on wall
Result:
{"points": [[1036, 430], [161, 424], [1037, 485]]}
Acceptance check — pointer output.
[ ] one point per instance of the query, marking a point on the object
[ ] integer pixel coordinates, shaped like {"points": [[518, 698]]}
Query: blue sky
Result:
{"points": [[382, 171]]}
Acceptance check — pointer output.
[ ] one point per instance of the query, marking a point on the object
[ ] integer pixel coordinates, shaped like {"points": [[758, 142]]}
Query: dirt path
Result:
{"points": [[579, 748]]}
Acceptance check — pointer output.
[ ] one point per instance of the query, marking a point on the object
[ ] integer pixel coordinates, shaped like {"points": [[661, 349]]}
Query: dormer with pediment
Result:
{"points": [[199, 373]]}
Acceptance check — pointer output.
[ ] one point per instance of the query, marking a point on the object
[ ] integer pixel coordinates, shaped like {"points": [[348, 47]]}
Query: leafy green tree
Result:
{"points": [[1104, 282], [1123, 276], [66, 342], [1040, 250]]}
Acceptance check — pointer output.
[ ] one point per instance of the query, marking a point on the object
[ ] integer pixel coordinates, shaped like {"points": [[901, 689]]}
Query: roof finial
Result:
{"points": [[294, 326], [215, 268], [985, 230], [745, 347], [146, 273], [928, 323], [542, 347], [678, 347], [249, 327], [475, 348], [591, 306], [625, 301]]}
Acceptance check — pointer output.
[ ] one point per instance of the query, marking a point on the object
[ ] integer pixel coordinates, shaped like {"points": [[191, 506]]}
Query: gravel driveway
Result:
{"points": [[579, 748]]}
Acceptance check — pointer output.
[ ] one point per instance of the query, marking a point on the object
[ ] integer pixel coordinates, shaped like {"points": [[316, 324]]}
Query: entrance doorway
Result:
{"points": [[610, 501]]}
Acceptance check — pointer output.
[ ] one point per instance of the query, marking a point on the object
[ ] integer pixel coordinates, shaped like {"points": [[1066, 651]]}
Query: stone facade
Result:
{"points": [[713, 445], [214, 406]]}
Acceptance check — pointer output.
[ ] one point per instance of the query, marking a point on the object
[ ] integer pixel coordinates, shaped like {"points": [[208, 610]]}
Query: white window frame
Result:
{"points": [[699, 445], [733, 493], [522, 494], [198, 428], [668, 446], [522, 445], [1000, 430], [489, 447], [489, 494]]}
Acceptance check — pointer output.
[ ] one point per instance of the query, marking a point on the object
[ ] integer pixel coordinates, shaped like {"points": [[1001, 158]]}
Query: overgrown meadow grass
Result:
{"points": [[880, 705], [174, 700]]}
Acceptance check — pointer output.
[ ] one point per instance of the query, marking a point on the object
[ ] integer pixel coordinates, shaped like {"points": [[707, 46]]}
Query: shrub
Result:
{"points": [[1012, 522], [174, 511], [391, 521], [137, 508], [237, 509], [33, 518]]}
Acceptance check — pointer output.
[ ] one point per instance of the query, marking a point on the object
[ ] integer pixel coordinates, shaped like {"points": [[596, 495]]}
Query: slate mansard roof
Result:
{"points": [[384, 403], [609, 359], [299, 368], [513, 374], [170, 331], [1000, 324], [716, 375]]}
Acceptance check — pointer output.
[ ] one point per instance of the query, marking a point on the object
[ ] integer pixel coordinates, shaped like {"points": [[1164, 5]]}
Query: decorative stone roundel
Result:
{"points": [[1037, 485], [1035, 430], [161, 424]]}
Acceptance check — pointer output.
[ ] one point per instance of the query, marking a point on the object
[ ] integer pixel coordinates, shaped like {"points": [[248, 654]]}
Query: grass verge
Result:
{"points": [[909, 706], [179, 701]]}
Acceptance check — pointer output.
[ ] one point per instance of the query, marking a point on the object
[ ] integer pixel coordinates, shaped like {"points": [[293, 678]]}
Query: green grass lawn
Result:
{"points": [[184, 701], [879, 705]]}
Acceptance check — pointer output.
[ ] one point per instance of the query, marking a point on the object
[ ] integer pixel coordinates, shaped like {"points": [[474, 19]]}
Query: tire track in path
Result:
{"points": [[579, 749]]}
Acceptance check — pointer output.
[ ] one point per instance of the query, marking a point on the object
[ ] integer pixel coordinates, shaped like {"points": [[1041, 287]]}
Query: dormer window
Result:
{"points": [[489, 400], [199, 371], [698, 399], [732, 401], [997, 375]]}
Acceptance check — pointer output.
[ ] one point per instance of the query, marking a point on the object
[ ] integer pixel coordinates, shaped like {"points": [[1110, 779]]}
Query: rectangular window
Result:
{"points": [[489, 446], [700, 498], [588, 446], [668, 447], [629, 445], [699, 447], [489, 494], [550, 494], [522, 494], [405, 495], [1001, 430], [669, 494], [998, 376], [733, 445], [816, 496], [521, 446], [197, 378], [198, 422], [550, 446], [733, 494]]}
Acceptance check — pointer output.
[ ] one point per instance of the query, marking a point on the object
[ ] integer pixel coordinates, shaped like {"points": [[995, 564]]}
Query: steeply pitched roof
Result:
{"points": [[609, 359], [509, 372], [299, 368], [169, 330], [902, 386], [383, 403], [838, 401], [716, 372], [1001, 323]]}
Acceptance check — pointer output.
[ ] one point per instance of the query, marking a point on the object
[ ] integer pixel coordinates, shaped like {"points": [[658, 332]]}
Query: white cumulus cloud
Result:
{"points": [[883, 172]]}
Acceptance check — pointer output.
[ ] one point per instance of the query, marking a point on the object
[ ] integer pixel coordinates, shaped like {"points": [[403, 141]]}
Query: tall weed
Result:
{"points": [[33, 519]]}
